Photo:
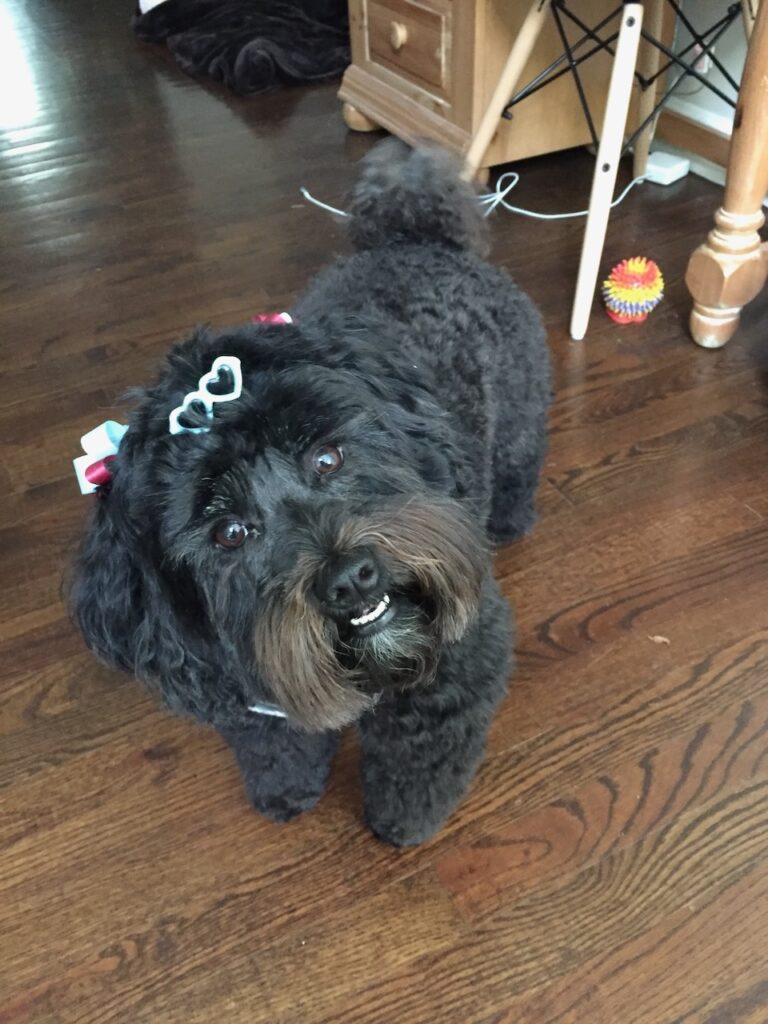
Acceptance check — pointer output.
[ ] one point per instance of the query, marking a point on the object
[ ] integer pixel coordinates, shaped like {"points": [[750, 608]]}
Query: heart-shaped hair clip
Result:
{"points": [[223, 383]]}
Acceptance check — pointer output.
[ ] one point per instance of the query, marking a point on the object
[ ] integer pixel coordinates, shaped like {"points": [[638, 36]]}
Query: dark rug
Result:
{"points": [[252, 46]]}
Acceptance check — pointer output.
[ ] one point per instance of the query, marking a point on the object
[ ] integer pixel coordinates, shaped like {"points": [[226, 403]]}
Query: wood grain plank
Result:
{"points": [[552, 931], [650, 978], [610, 812]]}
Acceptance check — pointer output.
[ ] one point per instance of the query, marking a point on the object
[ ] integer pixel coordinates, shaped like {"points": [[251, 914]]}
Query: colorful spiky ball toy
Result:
{"points": [[634, 287]]}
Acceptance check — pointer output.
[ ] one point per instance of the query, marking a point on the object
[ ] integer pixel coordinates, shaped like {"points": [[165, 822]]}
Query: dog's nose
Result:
{"points": [[348, 581]]}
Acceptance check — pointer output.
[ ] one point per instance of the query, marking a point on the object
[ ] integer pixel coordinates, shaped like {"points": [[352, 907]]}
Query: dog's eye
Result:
{"points": [[327, 459], [230, 534]]}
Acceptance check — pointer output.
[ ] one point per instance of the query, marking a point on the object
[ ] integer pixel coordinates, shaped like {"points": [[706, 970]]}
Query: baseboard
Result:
{"points": [[685, 134]]}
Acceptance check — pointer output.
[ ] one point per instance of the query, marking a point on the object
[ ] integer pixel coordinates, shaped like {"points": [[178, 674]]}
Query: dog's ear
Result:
{"points": [[116, 592], [107, 588], [134, 613]]}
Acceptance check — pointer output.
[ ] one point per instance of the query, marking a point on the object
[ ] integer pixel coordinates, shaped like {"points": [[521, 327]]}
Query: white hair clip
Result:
{"points": [[223, 383]]}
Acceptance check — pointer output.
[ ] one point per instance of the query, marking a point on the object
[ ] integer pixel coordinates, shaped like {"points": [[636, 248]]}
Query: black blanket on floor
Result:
{"points": [[252, 45]]}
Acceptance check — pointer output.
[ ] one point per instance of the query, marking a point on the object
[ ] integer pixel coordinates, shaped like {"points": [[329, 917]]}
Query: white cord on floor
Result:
{"points": [[507, 182], [492, 200], [323, 206]]}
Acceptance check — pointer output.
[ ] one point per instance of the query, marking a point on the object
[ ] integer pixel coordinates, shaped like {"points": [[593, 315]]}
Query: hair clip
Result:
{"points": [[224, 383], [100, 446]]}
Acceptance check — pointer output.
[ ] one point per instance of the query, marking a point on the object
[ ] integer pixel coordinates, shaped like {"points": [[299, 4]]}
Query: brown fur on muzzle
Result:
{"points": [[434, 545]]}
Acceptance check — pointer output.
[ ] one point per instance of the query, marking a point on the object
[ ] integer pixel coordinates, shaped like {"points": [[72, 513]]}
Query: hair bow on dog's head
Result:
{"points": [[100, 446], [223, 383], [272, 318]]}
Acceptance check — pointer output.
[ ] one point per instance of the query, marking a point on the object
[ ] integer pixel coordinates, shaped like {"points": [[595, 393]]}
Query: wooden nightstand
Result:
{"points": [[427, 69]]}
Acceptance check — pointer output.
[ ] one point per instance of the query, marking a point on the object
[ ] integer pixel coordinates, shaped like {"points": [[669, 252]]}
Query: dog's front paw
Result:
{"points": [[408, 797], [400, 833], [403, 816], [281, 807], [284, 772]]}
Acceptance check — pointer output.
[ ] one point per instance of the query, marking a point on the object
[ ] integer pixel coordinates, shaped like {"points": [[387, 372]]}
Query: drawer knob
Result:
{"points": [[398, 35]]}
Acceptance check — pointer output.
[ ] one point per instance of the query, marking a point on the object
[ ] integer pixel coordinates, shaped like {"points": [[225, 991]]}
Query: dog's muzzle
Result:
{"points": [[352, 589], [368, 604]]}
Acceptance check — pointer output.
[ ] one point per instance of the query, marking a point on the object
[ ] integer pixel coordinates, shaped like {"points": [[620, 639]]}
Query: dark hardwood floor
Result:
{"points": [[611, 863]]}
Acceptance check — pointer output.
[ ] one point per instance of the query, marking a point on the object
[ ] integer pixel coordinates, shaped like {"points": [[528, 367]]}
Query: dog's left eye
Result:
{"points": [[327, 459], [230, 534]]}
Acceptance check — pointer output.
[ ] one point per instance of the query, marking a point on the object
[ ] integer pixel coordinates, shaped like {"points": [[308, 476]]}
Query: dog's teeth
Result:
{"points": [[372, 614]]}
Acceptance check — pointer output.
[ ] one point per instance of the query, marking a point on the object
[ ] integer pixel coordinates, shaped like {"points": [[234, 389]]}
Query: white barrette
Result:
{"points": [[206, 397]]}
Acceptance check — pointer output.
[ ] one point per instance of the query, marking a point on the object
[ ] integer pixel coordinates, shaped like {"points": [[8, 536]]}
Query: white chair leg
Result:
{"points": [[749, 13], [606, 166]]}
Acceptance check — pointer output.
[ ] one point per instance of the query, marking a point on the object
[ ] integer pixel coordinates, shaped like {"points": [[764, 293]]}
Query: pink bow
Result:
{"points": [[99, 473], [272, 318], [100, 445]]}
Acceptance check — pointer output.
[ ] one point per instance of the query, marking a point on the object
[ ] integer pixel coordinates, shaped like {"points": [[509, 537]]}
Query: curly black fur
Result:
{"points": [[429, 369]]}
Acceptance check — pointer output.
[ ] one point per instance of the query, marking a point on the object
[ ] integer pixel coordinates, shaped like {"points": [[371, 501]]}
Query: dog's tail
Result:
{"points": [[415, 195]]}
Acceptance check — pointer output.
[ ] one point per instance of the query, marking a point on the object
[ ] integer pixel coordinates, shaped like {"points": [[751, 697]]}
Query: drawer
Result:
{"points": [[411, 39]]}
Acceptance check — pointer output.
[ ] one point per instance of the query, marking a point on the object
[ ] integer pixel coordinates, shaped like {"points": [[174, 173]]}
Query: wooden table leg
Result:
{"points": [[730, 268], [357, 121], [648, 65]]}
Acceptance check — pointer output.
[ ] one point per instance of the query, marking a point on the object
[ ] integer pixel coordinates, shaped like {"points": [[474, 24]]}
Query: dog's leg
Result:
{"points": [[421, 748], [513, 505], [284, 770], [516, 467]]}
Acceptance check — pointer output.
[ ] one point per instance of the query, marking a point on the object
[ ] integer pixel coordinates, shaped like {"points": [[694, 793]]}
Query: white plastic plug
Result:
{"points": [[666, 168]]}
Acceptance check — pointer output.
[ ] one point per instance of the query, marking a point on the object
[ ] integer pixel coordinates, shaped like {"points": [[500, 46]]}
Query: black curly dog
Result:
{"points": [[325, 546]]}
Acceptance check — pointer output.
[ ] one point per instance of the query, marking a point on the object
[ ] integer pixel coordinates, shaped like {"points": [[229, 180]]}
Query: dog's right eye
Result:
{"points": [[328, 459], [230, 534]]}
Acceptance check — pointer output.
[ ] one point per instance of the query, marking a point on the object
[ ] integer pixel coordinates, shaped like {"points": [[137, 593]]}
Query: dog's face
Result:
{"points": [[313, 545]]}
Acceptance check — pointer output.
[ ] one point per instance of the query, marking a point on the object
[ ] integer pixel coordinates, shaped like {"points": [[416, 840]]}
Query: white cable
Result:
{"points": [[494, 199], [499, 195], [323, 206]]}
